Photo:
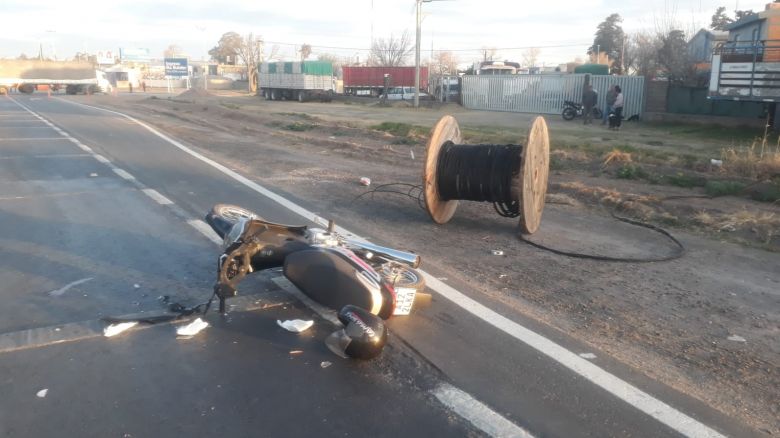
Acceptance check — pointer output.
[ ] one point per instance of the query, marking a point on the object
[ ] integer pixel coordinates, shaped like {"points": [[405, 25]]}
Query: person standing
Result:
{"points": [[615, 119], [611, 96], [589, 98]]}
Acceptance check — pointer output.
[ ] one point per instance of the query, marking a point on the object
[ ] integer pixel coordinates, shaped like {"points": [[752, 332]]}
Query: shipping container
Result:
{"points": [[371, 80], [296, 80]]}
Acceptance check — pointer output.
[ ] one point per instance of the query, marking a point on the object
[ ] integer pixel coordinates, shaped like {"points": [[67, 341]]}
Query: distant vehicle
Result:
{"points": [[574, 109], [498, 68], [26, 75], [370, 81], [404, 93], [299, 81]]}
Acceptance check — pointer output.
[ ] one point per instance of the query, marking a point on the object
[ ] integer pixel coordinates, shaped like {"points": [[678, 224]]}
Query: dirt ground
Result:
{"points": [[707, 324]]}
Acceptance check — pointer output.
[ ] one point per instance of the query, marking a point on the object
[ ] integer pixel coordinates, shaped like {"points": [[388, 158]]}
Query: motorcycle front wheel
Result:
{"points": [[222, 217], [569, 114], [401, 276]]}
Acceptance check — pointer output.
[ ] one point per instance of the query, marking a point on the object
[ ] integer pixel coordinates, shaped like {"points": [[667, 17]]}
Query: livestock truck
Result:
{"points": [[299, 81], [26, 75], [370, 81]]}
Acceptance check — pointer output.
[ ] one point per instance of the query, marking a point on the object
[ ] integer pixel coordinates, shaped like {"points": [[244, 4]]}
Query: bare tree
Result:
{"points": [[530, 56], [488, 53], [392, 51], [274, 56], [642, 54], [250, 51], [172, 51], [444, 63], [305, 51]]}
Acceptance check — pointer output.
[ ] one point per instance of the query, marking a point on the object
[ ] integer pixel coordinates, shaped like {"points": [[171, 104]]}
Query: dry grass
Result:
{"points": [[617, 156], [760, 161], [765, 225]]}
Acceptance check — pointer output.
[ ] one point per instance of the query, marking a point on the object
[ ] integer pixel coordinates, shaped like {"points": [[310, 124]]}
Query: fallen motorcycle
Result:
{"points": [[573, 109], [366, 282]]}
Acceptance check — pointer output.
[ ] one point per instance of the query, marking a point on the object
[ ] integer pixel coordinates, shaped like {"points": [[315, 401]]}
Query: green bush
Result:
{"points": [[724, 188], [631, 171], [684, 180], [397, 129], [298, 126]]}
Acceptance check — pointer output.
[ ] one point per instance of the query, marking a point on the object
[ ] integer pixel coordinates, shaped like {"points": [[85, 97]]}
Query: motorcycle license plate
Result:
{"points": [[404, 300]]}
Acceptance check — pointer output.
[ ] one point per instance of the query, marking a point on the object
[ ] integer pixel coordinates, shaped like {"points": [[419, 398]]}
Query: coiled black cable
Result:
{"points": [[480, 173]]}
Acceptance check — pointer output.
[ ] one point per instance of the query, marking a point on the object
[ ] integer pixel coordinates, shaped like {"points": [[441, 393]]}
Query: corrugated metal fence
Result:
{"points": [[545, 94]]}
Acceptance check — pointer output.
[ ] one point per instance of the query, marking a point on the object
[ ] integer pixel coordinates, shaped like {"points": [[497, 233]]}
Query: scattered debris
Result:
{"points": [[365, 181], [62, 290], [502, 276], [325, 364], [93, 175], [137, 286], [42, 393], [192, 328], [411, 152], [736, 338], [442, 278], [115, 329], [497, 252], [295, 325], [587, 355], [715, 162], [296, 351]]}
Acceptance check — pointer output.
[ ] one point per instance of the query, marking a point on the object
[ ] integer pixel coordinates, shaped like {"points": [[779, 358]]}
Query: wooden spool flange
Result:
{"points": [[530, 184]]}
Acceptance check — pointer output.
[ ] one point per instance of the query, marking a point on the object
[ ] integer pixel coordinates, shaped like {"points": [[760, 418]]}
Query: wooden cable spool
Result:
{"points": [[528, 183]]}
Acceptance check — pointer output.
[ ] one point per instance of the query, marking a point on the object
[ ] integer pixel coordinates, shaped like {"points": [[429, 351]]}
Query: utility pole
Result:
{"points": [[417, 58], [598, 53]]}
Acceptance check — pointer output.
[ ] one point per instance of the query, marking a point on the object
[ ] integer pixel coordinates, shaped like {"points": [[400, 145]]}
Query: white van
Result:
{"points": [[403, 93]]}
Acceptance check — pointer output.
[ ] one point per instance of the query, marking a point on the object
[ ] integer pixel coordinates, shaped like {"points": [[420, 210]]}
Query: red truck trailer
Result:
{"points": [[370, 81]]}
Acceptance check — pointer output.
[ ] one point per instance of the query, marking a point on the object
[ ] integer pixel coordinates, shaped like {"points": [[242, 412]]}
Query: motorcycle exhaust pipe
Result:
{"points": [[404, 257]]}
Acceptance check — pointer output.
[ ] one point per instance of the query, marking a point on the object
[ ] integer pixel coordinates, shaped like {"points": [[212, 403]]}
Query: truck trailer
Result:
{"points": [[370, 81], [26, 75], [299, 81]]}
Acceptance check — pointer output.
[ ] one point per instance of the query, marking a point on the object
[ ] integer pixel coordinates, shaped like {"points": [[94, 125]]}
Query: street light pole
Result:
{"points": [[417, 59]]}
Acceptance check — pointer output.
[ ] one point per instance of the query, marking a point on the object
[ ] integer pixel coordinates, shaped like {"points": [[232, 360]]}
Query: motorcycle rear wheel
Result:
{"points": [[569, 114], [401, 276]]}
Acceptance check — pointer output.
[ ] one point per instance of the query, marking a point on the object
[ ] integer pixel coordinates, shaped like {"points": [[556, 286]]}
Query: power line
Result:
{"points": [[363, 49]]}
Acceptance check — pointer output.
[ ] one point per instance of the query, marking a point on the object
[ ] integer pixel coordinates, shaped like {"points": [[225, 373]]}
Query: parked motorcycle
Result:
{"points": [[573, 109]]}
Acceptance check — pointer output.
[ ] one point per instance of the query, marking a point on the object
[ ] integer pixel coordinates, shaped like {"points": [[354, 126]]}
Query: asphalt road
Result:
{"points": [[66, 217]]}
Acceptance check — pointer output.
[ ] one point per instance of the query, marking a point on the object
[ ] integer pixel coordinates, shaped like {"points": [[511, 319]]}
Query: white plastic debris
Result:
{"points": [[497, 252], [115, 329], [93, 174], [736, 338], [42, 393], [325, 364], [715, 162], [192, 328], [137, 286], [365, 181], [587, 355], [411, 152], [295, 325]]}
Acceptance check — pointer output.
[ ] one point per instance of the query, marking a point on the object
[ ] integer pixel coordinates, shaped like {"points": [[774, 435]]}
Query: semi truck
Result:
{"points": [[370, 81], [301, 81], [26, 75]]}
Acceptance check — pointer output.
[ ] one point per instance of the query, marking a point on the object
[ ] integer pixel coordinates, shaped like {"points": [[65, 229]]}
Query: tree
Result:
{"points": [[488, 53], [226, 50], [22, 57], [609, 40], [720, 20], [530, 56], [250, 52], [305, 51], [738, 15], [444, 63], [673, 56], [641, 55], [392, 51], [172, 51]]}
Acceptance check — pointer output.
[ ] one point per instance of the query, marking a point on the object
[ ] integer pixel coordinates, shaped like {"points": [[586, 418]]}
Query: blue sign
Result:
{"points": [[134, 55], [176, 67]]}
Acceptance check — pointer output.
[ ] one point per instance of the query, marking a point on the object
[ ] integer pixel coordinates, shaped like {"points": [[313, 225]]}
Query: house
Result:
{"points": [[747, 65], [701, 45]]}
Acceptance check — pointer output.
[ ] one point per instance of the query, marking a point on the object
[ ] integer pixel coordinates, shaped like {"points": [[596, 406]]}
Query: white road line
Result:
{"points": [[478, 413], [637, 398], [158, 197], [206, 230], [101, 158], [123, 174], [31, 138]]}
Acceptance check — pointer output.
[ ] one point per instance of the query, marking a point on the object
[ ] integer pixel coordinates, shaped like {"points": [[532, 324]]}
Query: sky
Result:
{"points": [[562, 29]]}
